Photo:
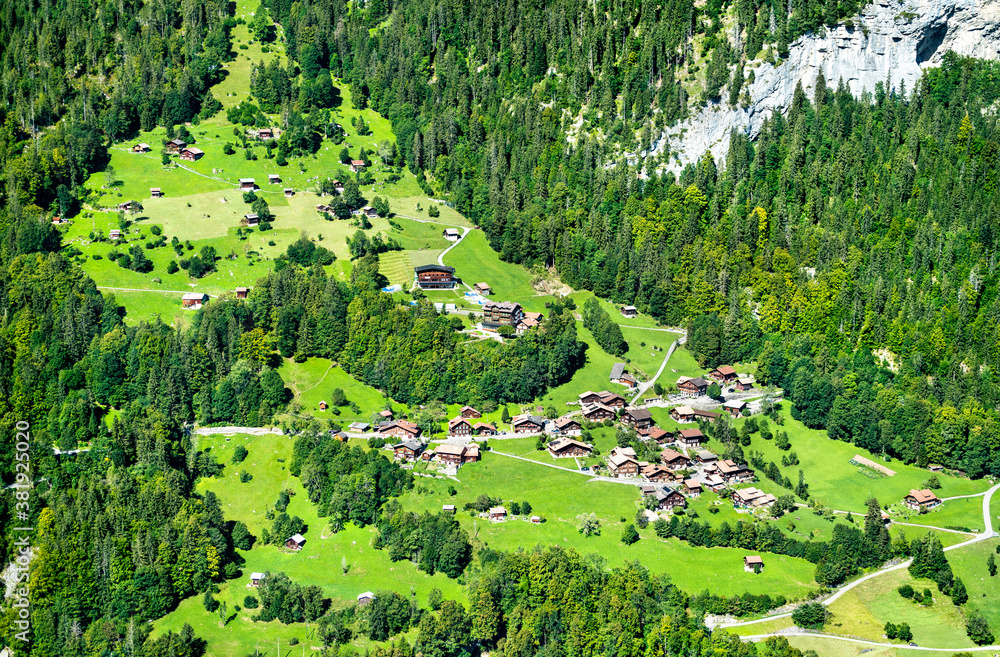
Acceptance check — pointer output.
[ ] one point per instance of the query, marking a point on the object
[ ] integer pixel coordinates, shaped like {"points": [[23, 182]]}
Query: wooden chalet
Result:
{"points": [[408, 450], [483, 289], [242, 292], [505, 313], [692, 488], [753, 564], [752, 498], [590, 397], [251, 219], [484, 429], [525, 325], [451, 454], [247, 184], [369, 212], [691, 437], [612, 400], [155, 192], [655, 473], [289, 192], [528, 424], [707, 416], [629, 311], [705, 456], [598, 413], [322, 406], [295, 542], [428, 455], [734, 407], [640, 418], [115, 234], [674, 460], [459, 426], [385, 414], [141, 148], [714, 482], [256, 579], [191, 153], [448, 508], [723, 374], [682, 413], [498, 513], [622, 462], [567, 447], [400, 429], [359, 427], [568, 425], [435, 277], [451, 234], [357, 165], [193, 300], [273, 178], [692, 387], [668, 498], [469, 412], [744, 383], [656, 434], [620, 376], [733, 472], [174, 146], [365, 598], [265, 134], [338, 186], [471, 453], [921, 499]]}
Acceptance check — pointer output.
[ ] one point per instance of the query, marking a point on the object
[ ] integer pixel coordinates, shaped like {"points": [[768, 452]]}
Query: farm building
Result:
{"points": [[369, 212], [498, 513], [289, 192], [525, 325], [264, 134], [537, 520], [733, 472], [242, 292], [568, 425], [322, 406], [566, 447], [471, 453], [715, 483], [483, 289], [459, 426], [273, 178], [407, 450], [155, 192], [723, 374], [528, 424], [469, 412], [141, 148], [744, 383], [640, 418], [619, 375], [451, 234], [629, 311], [194, 300], [708, 416], [115, 234], [668, 498], [921, 499], [251, 219], [295, 542], [691, 437], [256, 579], [705, 456], [448, 508], [365, 598], [357, 165], [734, 407], [506, 313], [692, 387], [753, 564], [247, 184], [598, 413], [484, 429], [174, 146], [359, 427], [191, 153], [130, 206], [435, 277]]}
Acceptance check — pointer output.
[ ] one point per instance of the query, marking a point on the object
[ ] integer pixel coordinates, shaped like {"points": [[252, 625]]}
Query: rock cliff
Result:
{"points": [[890, 42]]}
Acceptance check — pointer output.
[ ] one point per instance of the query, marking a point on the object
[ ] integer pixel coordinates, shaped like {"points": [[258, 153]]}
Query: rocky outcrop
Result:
{"points": [[891, 42]]}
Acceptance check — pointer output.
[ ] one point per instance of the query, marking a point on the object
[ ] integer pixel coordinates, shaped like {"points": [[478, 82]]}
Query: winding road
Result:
{"points": [[643, 387]]}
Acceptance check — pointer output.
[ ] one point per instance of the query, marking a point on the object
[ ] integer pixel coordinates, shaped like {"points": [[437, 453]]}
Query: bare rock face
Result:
{"points": [[891, 42]]}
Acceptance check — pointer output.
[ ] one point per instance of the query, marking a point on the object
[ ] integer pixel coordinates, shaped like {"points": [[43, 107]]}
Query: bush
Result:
{"points": [[432, 211], [156, 230], [250, 602], [245, 476], [630, 535], [210, 603], [978, 629], [811, 615], [906, 591], [239, 454]]}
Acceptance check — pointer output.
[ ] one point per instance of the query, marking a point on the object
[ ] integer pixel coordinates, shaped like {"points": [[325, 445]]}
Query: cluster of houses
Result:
{"points": [[723, 375]]}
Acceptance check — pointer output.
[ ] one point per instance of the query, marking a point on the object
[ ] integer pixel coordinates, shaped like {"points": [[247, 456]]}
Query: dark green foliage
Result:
{"points": [[209, 602], [385, 616], [239, 454], [283, 600], [978, 629], [811, 615], [242, 538], [629, 535], [251, 602], [959, 594], [906, 591], [607, 334], [245, 477], [929, 561], [436, 543]]}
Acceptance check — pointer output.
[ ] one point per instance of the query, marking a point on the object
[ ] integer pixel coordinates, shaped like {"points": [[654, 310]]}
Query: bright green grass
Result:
{"points": [[764, 627], [682, 363], [644, 361], [946, 538], [561, 496], [474, 261], [395, 266], [147, 306], [952, 514], [838, 484], [969, 563], [995, 510], [314, 381], [592, 376], [833, 647]]}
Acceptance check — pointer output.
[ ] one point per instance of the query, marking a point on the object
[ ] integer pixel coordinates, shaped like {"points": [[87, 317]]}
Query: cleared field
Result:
{"points": [[833, 647], [315, 380], [965, 513], [475, 261], [395, 265], [969, 563], [592, 376], [148, 306], [761, 628]]}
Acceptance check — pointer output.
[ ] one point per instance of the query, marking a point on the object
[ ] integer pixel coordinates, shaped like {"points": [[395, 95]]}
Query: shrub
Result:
{"points": [[906, 591], [811, 615], [240, 454], [245, 476], [629, 534], [432, 211], [156, 230], [250, 602]]}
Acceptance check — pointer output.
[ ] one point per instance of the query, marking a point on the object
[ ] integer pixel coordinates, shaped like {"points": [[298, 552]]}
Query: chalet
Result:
{"points": [[322, 406], [273, 178], [452, 454], [369, 212], [400, 429], [935, 467], [538, 317], [640, 418], [265, 134], [256, 579], [359, 427], [629, 311], [251, 219], [689, 387], [469, 412], [612, 400], [668, 498], [130, 206], [536, 520], [674, 460], [357, 165], [691, 437], [567, 447], [498, 513], [174, 146], [619, 375], [340, 435], [655, 473], [385, 414], [338, 186], [734, 407], [428, 455], [141, 148], [705, 456], [752, 498], [692, 488], [483, 289], [589, 397], [598, 413], [58, 221], [471, 453], [451, 234], [191, 153], [365, 598], [715, 483], [242, 292], [647, 489], [723, 374], [733, 472], [155, 192], [247, 184], [484, 429], [435, 277], [506, 313], [753, 564], [321, 207], [682, 413], [568, 425], [194, 300], [622, 464], [295, 542], [528, 424], [459, 426], [525, 325], [656, 434], [707, 416], [921, 499], [289, 192], [408, 450], [744, 383], [115, 234]]}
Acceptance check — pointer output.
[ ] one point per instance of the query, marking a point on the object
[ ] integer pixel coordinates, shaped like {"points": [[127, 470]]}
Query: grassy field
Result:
{"points": [[962, 513], [474, 261], [833, 647], [765, 627], [969, 563], [314, 381], [592, 376]]}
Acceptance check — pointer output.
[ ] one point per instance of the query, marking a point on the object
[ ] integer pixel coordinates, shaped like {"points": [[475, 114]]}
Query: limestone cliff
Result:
{"points": [[891, 41]]}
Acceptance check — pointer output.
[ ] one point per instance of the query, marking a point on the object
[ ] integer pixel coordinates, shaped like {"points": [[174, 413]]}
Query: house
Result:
{"points": [[435, 277], [400, 429], [448, 508], [174, 146], [340, 435], [322, 406], [536, 520], [320, 207], [525, 325], [656, 434], [115, 234], [359, 427], [640, 418], [141, 148], [357, 165], [744, 383], [682, 413], [451, 234], [242, 292], [338, 186], [753, 564], [251, 219], [130, 206], [191, 153], [471, 453], [428, 455], [715, 483], [498, 513], [707, 416], [459, 426], [655, 473], [567, 447], [598, 413], [538, 317], [612, 400], [58, 221], [469, 412], [408, 450], [289, 192], [734, 407], [273, 178], [646, 490], [369, 212], [732, 472], [453, 454], [691, 437], [689, 387], [365, 598], [752, 498], [668, 498], [528, 424], [674, 460], [194, 300], [692, 488], [265, 134], [619, 375], [484, 429], [256, 579], [483, 289], [921, 499], [629, 311], [506, 313], [568, 425], [623, 465], [155, 192], [295, 542], [705, 456], [385, 414], [247, 184], [589, 397], [723, 374]]}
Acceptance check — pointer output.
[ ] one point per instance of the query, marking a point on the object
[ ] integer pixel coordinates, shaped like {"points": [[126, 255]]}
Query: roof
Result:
{"points": [[358, 163], [191, 296], [446, 448], [467, 408], [608, 397], [656, 433], [409, 443], [273, 175], [617, 370], [422, 268], [483, 285], [753, 559], [746, 380], [735, 403], [502, 306], [639, 414], [251, 215], [710, 414], [246, 180], [177, 142], [256, 575], [692, 433], [521, 419], [455, 421], [630, 308], [618, 460], [451, 231], [498, 509], [560, 444], [684, 410], [154, 189], [288, 189], [298, 538], [671, 455], [242, 289], [664, 493], [484, 425], [385, 413], [725, 370], [705, 455], [448, 507], [367, 595], [590, 408], [728, 466], [692, 483], [566, 421], [196, 151], [359, 426], [923, 496]]}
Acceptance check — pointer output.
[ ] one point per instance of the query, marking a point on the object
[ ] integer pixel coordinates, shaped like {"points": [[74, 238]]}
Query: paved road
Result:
{"points": [[465, 231], [643, 387], [761, 637], [136, 289], [611, 480]]}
